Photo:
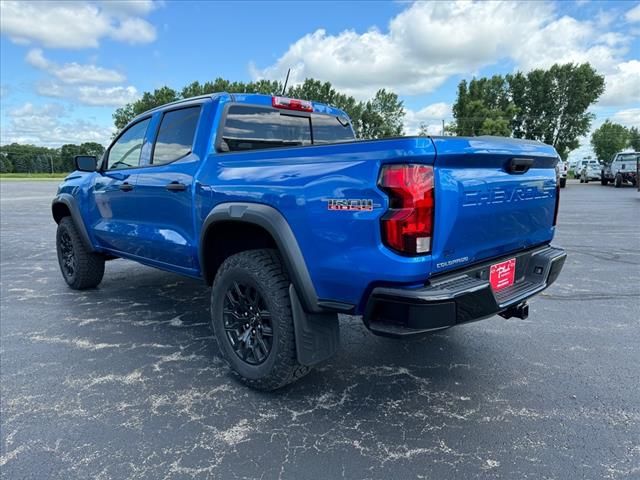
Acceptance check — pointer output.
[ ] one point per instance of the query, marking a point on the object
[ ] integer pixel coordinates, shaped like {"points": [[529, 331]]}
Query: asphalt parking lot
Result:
{"points": [[124, 381]]}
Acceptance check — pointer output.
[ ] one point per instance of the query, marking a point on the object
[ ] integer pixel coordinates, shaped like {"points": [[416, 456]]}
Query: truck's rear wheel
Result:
{"points": [[603, 180], [563, 182], [253, 322], [80, 268]]}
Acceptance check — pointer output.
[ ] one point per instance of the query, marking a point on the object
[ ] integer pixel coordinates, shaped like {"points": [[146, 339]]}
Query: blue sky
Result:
{"points": [[64, 67]]}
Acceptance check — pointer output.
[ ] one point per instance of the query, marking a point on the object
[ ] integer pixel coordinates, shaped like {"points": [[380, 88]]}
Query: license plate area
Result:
{"points": [[502, 275]]}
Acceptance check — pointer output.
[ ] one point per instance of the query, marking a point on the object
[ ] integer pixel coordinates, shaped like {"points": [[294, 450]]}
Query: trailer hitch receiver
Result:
{"points": [[520, 311]]}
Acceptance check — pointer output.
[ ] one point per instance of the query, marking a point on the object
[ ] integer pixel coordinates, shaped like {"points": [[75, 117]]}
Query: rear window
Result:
{"points": [[330, 129], [249, 127]]}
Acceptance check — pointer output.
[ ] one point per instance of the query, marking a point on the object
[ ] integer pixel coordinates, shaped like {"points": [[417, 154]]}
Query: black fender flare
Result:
{"points": [[273, 222], [70, 202]]}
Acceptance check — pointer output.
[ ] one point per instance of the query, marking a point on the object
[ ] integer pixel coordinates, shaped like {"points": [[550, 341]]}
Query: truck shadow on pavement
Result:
{"points": [[157, 308]]}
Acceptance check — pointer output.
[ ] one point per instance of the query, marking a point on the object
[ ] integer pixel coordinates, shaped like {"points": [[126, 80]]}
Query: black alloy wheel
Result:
{"points": [[67, 256], [247, 323]]}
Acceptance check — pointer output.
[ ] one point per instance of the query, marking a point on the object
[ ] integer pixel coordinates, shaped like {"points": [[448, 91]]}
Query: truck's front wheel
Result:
{"points": [[618, 181], [252, 319], [80, 268]]}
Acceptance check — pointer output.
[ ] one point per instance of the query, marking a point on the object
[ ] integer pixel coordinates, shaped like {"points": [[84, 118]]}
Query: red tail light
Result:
{"points": [[292, 104], [407, 227]]}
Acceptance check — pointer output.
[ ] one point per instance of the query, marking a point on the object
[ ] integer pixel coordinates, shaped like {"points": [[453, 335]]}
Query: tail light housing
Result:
{"points": [[557, 206], [407, 227]]}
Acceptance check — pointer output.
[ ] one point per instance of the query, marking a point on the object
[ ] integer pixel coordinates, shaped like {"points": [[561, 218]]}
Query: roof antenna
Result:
{"points": [[284, 88]]}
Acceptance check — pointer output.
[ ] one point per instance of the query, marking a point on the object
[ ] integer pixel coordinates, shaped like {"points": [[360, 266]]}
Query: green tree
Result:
{"points": [[22, 158], [382, 116], [68, 153], [609, 139], [21, 163], [547, 105], [423, 130], [634, 138], [484, 107], [5, 165], [92, 148], [552, 105]]}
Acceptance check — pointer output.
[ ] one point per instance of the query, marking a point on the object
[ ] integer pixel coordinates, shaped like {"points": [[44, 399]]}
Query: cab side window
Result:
{"points": [[175, 136], [125, 153]]}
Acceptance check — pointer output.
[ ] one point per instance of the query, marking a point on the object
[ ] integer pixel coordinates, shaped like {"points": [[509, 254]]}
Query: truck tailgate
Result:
{"points": [[493, 196]]}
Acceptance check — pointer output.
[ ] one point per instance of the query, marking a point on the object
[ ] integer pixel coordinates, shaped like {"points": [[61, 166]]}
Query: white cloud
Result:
{"points": [[629, 117], [73, 73], [430, 42], [622, 85], [633, 15], [569, 40], [89, 94], [47, 125], [125, 8], [113, 96], [431, 116], [425, 44], [80, 83], [75, 24], [134, 30]]}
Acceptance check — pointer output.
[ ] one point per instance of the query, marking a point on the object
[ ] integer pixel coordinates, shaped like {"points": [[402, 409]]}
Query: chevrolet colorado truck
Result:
{"points": [[272, 202]]}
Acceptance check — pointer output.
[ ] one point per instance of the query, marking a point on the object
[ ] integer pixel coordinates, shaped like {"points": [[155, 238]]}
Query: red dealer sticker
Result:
{"points": [[502, 274]]}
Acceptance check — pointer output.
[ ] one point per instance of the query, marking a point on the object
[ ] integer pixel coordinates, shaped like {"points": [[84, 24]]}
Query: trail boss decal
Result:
{"points": [[350, 204]]}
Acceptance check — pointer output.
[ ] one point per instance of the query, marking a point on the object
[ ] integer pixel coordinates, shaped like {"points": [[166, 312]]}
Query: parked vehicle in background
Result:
{"points": [[590, 171], [561, 169], [577, 170], [622, 169]]}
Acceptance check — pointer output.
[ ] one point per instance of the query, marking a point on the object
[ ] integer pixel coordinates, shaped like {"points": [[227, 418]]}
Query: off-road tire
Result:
{"points": [[563, 182], [603, 180], [264, 271], [88, 267], [618, 181]]}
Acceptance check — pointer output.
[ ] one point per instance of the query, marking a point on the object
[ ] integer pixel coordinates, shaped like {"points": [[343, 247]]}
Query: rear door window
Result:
{"points": [[175, 136], [250, 128]]}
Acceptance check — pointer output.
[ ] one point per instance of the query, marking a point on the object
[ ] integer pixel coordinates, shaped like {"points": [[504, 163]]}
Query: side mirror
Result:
{"points": [[86, 163]]}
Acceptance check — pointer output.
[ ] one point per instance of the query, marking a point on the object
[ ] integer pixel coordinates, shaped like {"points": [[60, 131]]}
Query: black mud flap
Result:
{"points": [[317, 334]]}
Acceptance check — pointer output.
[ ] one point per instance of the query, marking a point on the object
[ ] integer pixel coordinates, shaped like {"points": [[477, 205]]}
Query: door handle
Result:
{"points": [[126, 187], [176, 187]]}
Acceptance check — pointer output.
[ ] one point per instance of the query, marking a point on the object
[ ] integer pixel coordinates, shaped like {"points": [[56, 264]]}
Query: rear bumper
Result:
{"points": [[463, 296]]}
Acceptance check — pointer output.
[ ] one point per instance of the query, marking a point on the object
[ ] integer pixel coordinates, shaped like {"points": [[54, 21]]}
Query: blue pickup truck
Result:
{"points": [[274, 203]]}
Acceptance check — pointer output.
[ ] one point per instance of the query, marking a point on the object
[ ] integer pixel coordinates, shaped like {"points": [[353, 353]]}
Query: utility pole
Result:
{"points": [[443, 127]]}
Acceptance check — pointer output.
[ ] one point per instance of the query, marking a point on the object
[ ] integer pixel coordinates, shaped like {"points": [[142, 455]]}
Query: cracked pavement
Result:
{"points": [[124, 381]]}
